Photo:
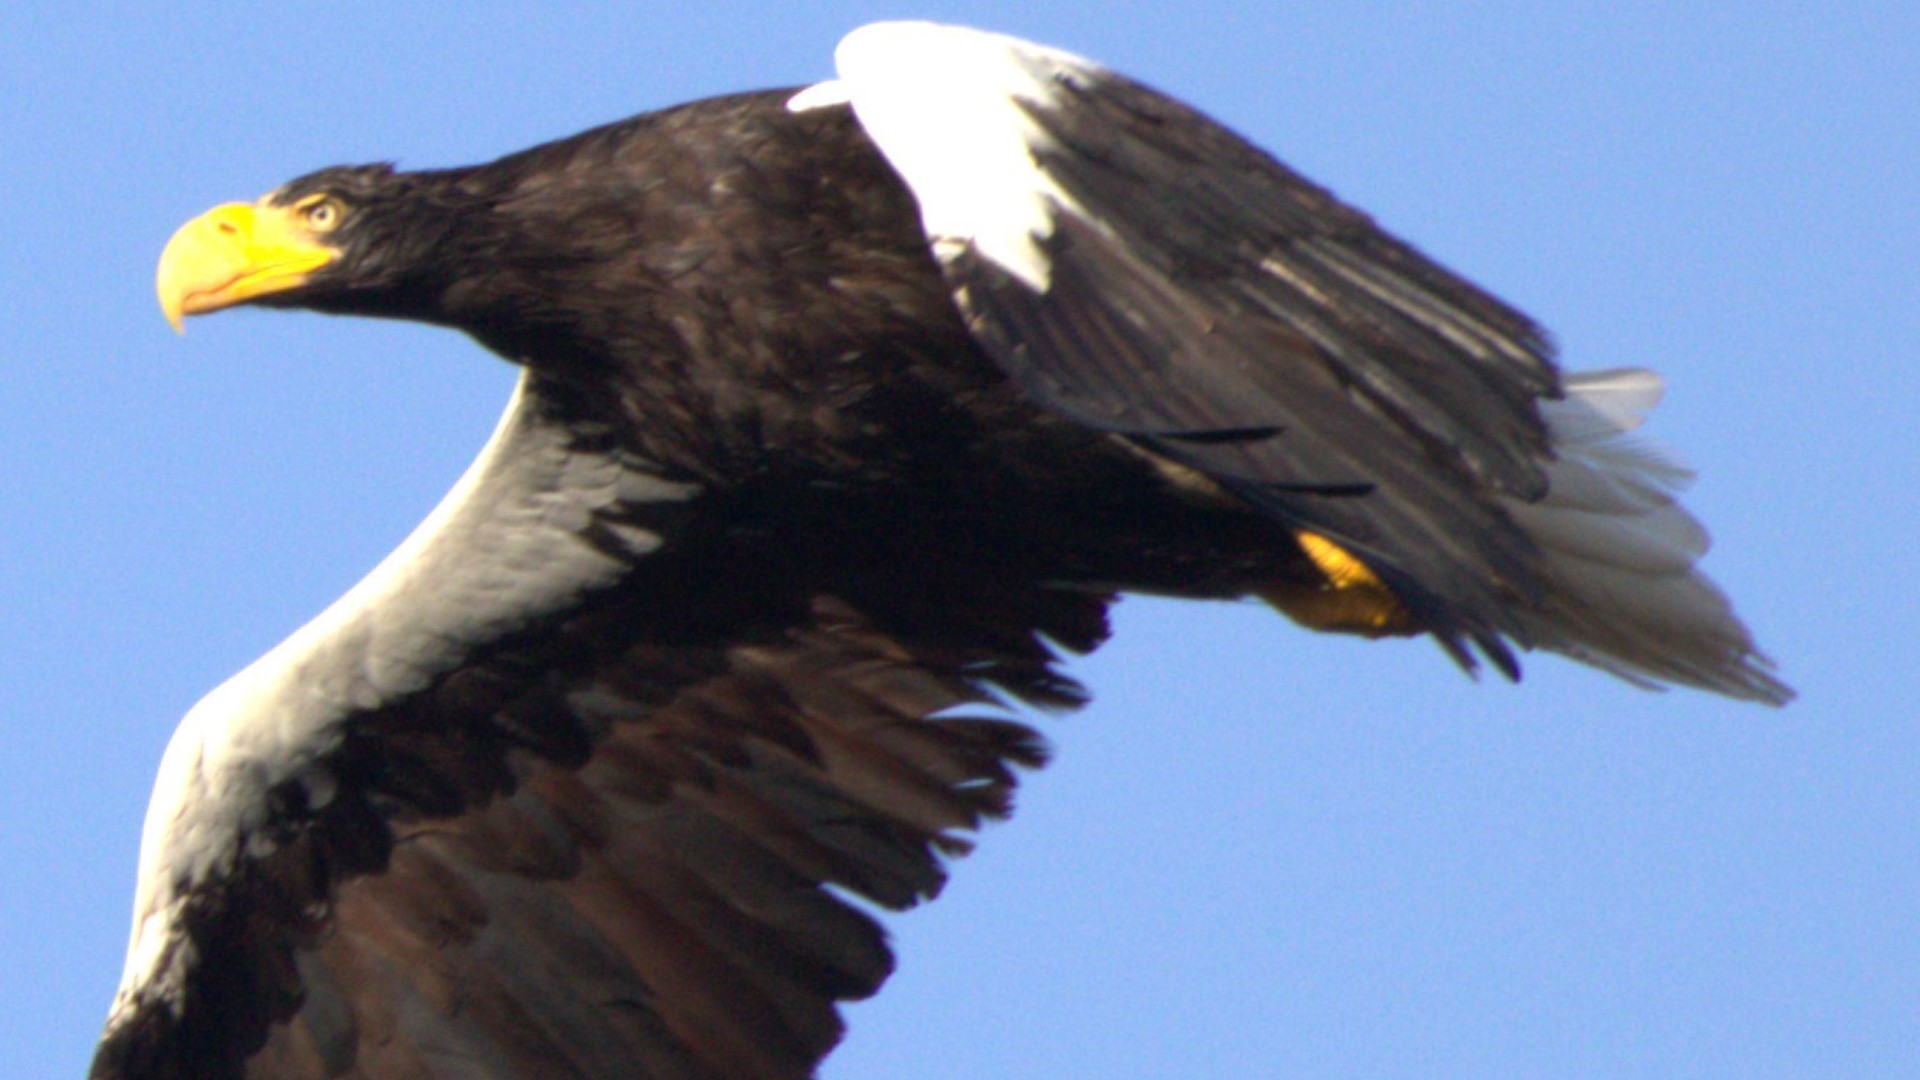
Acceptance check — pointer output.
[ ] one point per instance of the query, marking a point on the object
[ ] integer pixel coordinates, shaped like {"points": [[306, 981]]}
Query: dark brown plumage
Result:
{"points": [[574, 784]]}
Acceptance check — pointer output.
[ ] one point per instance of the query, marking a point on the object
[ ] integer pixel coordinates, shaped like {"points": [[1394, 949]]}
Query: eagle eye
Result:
{"points": [[323, 213]]}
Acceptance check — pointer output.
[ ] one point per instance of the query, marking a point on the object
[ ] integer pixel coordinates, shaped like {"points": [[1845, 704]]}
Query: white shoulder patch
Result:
{"points": [[947, 106], [499, 552], [819, 96]]}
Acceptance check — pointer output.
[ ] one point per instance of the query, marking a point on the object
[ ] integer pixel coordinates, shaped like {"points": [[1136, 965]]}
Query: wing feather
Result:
{"points": [[565, 827], [1139, 269], [1176, 281]]}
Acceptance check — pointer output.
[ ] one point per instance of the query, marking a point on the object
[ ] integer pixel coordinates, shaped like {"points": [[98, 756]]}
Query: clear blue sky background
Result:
{"points": [[1261, 854]]}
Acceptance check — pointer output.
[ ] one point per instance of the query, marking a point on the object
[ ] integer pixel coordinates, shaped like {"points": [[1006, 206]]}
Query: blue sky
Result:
{"points": [[1260, 853]]}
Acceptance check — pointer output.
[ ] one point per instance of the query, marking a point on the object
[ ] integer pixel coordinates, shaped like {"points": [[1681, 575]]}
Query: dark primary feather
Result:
{"points": [[651, 795], [1242, 298]]}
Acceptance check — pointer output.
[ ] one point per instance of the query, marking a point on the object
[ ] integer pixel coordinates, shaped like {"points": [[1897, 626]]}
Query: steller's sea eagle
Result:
{"points": [[844, 412]]}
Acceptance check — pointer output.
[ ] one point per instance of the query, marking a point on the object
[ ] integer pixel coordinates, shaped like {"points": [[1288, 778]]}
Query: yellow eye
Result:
{"points": [[323, 214]]}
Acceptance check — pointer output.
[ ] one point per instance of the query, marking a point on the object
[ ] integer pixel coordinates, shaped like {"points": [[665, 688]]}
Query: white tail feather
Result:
{"points": [[1620, 551]]}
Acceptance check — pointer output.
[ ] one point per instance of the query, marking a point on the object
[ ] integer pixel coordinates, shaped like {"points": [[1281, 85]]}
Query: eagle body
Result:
{"points": [[844, 413], [783, 340]]}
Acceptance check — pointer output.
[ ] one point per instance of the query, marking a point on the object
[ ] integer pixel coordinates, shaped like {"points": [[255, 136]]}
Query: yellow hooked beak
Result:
{"points": [[237, 252]]}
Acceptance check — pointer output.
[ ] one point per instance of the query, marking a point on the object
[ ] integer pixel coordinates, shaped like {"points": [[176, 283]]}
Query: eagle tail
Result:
{"points": [[1620, 551]]}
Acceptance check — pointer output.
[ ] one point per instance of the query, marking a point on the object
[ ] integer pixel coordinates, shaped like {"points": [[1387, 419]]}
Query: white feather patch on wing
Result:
{"points": [[947, 106], [819, 96], [1622, 550], [501, 550]]}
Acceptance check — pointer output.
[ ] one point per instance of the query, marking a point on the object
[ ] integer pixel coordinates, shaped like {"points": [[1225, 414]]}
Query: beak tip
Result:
{"points": [[232, 254], [166, 286]]}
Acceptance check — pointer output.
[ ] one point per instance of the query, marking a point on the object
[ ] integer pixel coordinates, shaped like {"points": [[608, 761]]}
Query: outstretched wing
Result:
{"points": [[1143, 270], [571, 788], [1137, 268]]}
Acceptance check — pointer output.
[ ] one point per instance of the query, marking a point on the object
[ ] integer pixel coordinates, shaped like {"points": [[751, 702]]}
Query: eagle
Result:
{"points": [[844, 413]]}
